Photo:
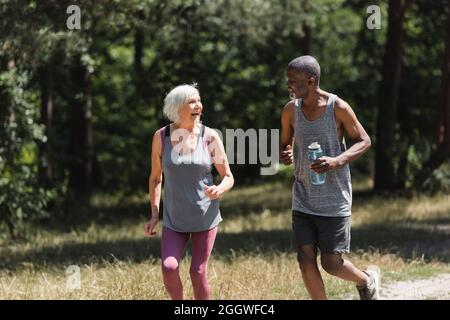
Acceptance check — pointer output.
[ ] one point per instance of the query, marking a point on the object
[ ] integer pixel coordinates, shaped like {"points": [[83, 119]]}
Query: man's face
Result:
{"points": [[299, 83]]}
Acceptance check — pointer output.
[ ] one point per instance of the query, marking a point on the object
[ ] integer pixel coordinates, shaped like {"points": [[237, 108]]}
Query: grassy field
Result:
{"points": [[252, 259]]}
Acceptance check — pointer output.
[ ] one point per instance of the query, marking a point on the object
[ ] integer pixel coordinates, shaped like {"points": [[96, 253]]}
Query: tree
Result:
{"points": [[306, 38], [81, 137], [46, 148], [385, 174], [442, 152], [21, 198]]}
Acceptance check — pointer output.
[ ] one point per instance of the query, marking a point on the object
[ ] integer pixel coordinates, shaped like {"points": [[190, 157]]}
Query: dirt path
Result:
{"points": [[437, 287]]}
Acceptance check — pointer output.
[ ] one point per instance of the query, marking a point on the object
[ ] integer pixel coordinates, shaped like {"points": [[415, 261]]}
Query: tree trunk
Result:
{"points": [[7, 114], [81, 140], [385, 176], [138, 50], [439, 125], [402, 147], [138, 53], [3, 97], [442, 152], [305, 41], [46, 165]]}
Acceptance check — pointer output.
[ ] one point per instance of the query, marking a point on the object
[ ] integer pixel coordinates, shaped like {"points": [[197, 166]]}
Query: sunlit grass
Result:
{"points": [[252, 259]]}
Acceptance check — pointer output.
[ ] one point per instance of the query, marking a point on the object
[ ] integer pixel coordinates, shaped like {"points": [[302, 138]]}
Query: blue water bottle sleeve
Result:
{"points": [[315, 152]]}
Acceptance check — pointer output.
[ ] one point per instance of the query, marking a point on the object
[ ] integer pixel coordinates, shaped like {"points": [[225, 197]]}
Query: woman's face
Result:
{"points": [[191, 109]]}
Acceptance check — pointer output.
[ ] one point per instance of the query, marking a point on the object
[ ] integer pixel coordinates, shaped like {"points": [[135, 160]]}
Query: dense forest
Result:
{"points": [[78, 107]]}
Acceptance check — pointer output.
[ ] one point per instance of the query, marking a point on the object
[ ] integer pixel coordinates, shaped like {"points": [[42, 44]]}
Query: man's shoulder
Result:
{"points": [[340, 103], [289, 107], [342, 108], [288, 112]]}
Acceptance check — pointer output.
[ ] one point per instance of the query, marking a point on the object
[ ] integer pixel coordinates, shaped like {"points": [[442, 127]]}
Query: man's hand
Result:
{"points": [[287, 155], [324, 164], [213, 192], [149, 227]]}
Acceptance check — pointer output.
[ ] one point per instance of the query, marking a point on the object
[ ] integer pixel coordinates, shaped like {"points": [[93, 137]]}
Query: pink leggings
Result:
{"points": [[173, 245]]}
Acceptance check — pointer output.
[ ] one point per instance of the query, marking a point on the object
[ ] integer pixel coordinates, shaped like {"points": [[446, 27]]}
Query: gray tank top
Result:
{"points": [[334, 197], [186, 207]]}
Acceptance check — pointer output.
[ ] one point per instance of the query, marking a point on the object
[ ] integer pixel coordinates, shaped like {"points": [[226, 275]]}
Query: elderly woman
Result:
{"points": [[185, 151]]}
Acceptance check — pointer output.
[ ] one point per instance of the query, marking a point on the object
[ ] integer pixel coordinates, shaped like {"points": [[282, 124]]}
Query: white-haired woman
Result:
{"points": [[185, 151]]}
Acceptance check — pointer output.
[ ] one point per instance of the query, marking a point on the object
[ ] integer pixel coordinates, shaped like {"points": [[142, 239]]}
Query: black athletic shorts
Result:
{"points": [[330, 234]]}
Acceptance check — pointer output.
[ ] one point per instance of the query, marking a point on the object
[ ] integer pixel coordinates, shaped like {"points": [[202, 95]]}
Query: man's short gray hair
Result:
{"points": [[307, 65], [176, 98]]}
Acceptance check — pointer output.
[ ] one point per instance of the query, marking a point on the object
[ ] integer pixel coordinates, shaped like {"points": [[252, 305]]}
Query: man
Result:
{"points": [[321, 213]]}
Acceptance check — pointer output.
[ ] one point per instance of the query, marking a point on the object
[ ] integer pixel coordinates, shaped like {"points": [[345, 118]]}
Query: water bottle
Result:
{"points": [[315, 152]]}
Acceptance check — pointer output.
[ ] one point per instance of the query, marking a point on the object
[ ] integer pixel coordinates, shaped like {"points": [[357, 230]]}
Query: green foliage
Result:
{"points": [[237, 51], [439, 181], [21, 198]]}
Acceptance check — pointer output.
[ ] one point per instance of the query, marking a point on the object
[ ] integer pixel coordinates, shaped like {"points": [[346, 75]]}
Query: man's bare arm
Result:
{"points": [[354, 130], [287, 133]]}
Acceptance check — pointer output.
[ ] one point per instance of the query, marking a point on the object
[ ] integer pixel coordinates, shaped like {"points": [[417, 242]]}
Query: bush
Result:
{"points": [[21, 198], [439, 181]]}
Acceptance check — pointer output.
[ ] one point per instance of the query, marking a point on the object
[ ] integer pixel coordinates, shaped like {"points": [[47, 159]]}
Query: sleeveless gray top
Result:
{"points": [[186, 207], [334, 197]]}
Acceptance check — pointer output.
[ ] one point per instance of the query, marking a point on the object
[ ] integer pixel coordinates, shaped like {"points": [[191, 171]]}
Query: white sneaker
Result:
{"points": [[371, 291]]}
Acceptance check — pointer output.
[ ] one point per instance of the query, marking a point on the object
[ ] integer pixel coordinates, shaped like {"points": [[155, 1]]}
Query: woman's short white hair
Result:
{"points": [[176, 98]]}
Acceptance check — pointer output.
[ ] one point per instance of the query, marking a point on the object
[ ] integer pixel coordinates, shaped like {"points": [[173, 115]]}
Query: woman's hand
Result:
{"points": [[213, 192], [149, 227]]}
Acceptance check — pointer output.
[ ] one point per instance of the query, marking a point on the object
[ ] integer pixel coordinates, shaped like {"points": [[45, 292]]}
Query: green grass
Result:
{"points": [[253, 259]]}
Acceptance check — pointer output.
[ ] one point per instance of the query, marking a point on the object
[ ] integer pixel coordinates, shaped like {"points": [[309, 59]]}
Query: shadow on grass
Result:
{"points": [[80, 220], [409, 242], [426, 239], [114, 210], [273, 197]]}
